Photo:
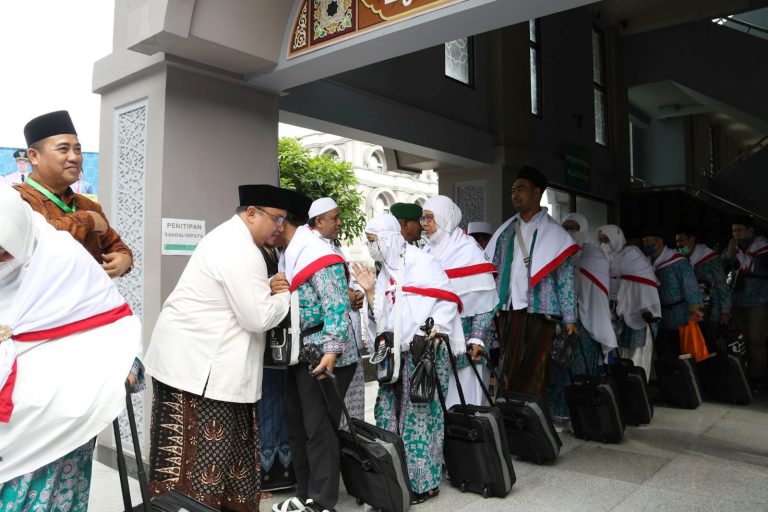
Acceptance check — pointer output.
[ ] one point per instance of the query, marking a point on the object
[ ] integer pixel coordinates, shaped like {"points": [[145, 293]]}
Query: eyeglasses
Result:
{"points": [[278, 220], [426, 219], [520, 188], [571, 228]]}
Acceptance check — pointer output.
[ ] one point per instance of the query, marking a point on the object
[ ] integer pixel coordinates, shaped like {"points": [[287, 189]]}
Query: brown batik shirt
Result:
{"points": [[79, 224]]}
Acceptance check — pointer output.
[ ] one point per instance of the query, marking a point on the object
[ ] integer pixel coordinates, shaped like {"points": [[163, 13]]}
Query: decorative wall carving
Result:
{"points": [[128, 172], [471, 198]]}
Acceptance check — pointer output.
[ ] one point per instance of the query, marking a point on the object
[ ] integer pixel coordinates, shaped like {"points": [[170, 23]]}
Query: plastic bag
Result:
{"points": [[692, 340]]}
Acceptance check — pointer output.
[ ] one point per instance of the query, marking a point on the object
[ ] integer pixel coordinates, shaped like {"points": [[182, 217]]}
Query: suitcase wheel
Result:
{"points": [[463, 487], [360, 501], [486, 492]]}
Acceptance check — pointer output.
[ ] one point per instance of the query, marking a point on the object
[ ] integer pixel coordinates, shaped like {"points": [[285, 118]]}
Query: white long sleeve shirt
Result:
{"points": [[209, 339]]}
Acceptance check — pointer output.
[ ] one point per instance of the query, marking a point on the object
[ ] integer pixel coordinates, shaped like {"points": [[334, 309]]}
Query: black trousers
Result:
{"points": [[313, 412]]}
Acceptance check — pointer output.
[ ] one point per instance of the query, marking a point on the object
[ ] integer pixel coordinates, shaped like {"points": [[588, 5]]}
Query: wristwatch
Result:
{"points": [[127, 271]]}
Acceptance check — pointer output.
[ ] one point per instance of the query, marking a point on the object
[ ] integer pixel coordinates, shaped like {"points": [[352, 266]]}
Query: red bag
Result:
{"points": [[692, 340]]}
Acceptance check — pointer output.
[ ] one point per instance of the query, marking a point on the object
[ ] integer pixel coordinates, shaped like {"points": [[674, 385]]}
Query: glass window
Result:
{"points": [[381, 205], [558, 203], [375, 163], [535, 67], [458, 60], [599, 86], [331, 153], [596, 213]]}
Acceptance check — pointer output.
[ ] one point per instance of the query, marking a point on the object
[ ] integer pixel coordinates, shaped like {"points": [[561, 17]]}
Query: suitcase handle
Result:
{"points": [[482, 384], [122, 471], [365, 463], [442, 338]]}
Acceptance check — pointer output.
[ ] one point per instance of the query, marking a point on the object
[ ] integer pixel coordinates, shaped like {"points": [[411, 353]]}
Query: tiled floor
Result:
{"points": [[712, 459]]}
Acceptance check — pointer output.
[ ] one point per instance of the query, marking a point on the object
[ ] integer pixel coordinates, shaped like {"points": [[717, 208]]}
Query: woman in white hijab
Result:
{"points": [[67, 342], [596, 336], [472, 277], [634, 296], [410, 288]]}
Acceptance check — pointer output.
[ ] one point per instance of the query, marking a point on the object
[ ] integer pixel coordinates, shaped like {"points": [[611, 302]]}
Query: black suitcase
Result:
{"points": [[594, 405], [724, 379], [373, 465], [476, 452], [679, 381], [172, 501], [632, 384], [531, 435]]}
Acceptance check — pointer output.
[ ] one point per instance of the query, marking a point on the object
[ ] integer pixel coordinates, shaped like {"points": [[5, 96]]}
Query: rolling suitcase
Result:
{"points": [[594, 406], [679, 381], [373, 465], [530, 432], [724, 379], [172, 501], [632, 384], [476, 453]]}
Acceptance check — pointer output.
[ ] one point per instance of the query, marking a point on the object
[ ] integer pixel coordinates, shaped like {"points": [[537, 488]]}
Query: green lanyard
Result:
{"points": [[47, 193]]}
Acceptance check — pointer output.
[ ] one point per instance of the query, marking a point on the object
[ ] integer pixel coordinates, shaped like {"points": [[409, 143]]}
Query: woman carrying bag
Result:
{"points": [[410, 288]]}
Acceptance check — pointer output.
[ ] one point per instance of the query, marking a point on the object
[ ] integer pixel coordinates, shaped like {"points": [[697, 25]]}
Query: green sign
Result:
{"points": [[577, 171]]}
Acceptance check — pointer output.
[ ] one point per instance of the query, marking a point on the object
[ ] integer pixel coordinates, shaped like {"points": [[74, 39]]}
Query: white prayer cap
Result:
{"points": [[322, 205], [479, 227]]}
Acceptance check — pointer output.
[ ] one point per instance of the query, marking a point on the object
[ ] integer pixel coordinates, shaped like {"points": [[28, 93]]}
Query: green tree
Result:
{"points": [[322, 176]]}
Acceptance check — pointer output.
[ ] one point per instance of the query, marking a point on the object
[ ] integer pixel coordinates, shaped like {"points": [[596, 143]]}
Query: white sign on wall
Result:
{"points": [[181, 236]]}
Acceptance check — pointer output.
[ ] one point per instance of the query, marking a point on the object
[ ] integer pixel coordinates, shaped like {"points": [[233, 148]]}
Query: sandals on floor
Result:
{"points": [[290, 505], [424, 496]]}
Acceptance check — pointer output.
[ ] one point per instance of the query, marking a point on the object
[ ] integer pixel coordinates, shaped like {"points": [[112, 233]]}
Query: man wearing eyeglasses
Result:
{"points": [[536, 285], [206, 359]]}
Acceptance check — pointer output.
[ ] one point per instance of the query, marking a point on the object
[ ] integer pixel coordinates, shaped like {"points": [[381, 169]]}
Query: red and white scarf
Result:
{"points": [[746, 258], [701, 254], [666, 258], [552, 247], [305, 255]]}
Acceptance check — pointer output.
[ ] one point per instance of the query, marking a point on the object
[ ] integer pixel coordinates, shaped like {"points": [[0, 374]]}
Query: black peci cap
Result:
{"points": [[47, 125]]}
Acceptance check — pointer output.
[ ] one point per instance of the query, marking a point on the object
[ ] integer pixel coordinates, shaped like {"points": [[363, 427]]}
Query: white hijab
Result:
{"points": [[389, 240], [426, 289], [580, 236], [468, 267], [18, 235], [633, 283], [54, 303]]}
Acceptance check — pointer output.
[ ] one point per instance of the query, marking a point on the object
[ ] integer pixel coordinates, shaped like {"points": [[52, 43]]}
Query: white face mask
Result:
{"points": [[577, 236], [606, 247], [374, 251]]}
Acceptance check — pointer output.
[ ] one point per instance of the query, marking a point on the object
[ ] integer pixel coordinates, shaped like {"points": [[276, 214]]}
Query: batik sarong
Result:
{"points": [[207, 449]]}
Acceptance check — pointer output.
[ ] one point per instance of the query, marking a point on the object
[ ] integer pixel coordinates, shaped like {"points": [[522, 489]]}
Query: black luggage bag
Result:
{"points": [[594, 406], [679, 381], [530, 432], [172, 501], [476, 452], [373, 465], [724, 378], [632, 384]]}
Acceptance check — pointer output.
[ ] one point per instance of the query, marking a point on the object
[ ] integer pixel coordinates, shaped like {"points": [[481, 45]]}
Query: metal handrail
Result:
{"points": [[759, 146], [696, 192], [747, 25]]}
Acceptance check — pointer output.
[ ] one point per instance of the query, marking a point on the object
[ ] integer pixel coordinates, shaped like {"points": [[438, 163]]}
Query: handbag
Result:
{"points": [[692, 340], [424, 378], [562, 347], [386, 358], [386, 346]]}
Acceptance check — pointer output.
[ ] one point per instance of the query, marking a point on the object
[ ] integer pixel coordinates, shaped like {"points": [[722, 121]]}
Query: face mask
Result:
{"points": [[684, 250], [648, 250], [606, 247], [374, 251], [577, 236]]}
